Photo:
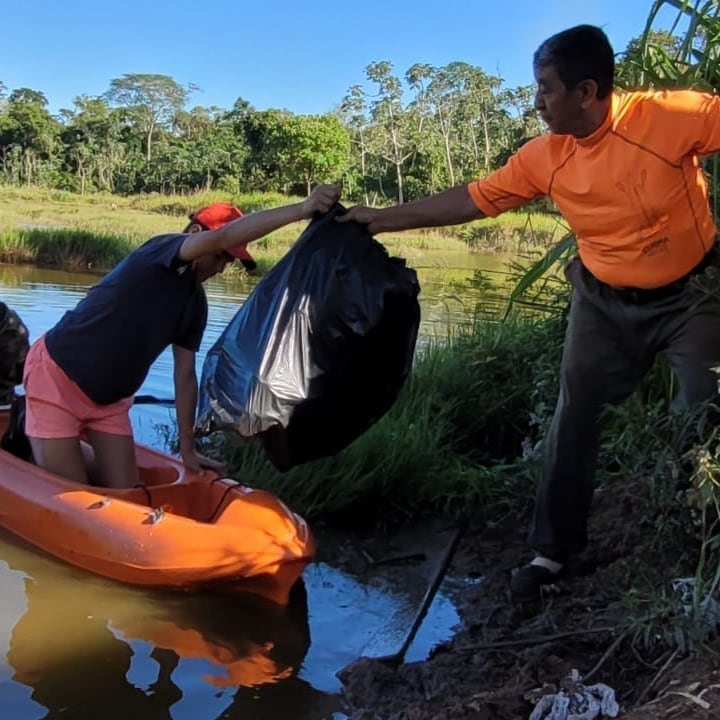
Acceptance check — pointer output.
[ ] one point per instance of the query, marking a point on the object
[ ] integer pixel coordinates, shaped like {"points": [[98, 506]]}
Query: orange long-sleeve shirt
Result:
{"points": [[633, 192]]}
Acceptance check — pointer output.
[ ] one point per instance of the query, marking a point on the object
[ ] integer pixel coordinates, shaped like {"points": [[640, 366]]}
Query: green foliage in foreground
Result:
{"points": [[467, 411], [465, 439]]}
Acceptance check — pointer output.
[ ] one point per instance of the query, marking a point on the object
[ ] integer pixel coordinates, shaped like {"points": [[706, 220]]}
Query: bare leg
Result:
{"points": [[61, 456], [115, 462]]}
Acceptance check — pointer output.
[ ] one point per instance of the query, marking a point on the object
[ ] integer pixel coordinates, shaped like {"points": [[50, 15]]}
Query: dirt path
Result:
{"points": [[506, 656]]}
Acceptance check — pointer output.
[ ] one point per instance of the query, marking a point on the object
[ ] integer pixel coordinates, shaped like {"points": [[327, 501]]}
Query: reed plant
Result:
{"points": [[454, 442], [68, 248]]}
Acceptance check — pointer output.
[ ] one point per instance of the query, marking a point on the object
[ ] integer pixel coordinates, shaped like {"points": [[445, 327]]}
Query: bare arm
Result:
{"points": [[185, 396], [450, 207], [258, 224], [186, 391]]}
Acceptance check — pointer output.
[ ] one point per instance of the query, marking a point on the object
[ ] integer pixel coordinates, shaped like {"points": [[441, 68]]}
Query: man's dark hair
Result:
{"points": [[579, 53]]}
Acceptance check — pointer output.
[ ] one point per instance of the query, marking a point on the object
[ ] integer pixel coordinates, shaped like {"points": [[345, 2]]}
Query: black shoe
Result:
{"points": [[527, 581]]}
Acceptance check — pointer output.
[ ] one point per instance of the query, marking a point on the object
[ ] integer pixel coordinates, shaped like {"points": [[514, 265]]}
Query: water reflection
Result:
{"points": [[77, 647], [87, 648]]}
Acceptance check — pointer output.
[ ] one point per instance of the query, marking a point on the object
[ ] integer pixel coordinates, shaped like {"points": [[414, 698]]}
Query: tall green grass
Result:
{"points": [[143, 216], [77, 249], [694, 63], [183, 204], [468, 410], [515, 230]]}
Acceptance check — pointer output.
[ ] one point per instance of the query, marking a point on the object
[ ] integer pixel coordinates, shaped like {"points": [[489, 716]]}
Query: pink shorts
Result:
{"points": [[57, 408]]}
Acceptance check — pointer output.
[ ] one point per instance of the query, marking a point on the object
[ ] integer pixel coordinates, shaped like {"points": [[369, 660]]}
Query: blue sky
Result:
{"points": [[281, 53]]}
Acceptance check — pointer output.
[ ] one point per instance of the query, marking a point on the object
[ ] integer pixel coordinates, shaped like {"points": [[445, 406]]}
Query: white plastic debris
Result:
{"points": [[708, 608], [577, 702]]}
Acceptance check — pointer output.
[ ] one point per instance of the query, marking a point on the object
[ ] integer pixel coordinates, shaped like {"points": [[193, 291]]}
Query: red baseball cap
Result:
{"points": [[211, 217]]}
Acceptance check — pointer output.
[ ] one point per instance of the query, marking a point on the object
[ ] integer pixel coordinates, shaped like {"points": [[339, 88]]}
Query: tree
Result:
{"points": [[319, 147], [26, 96], [153, 100], [522, 101], [353, 113], [645, 60], [266, 134], [481, 110], [28, 135], [390, 119], [439, 99], [93, 142], [218, 154], [404, 136], [240, 110]]}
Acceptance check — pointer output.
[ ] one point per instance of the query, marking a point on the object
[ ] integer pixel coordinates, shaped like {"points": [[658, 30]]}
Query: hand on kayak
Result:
{"points": [[195, 462]]}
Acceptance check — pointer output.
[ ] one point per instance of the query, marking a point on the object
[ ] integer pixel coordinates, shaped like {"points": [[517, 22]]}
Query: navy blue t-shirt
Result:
{"points": [[148, 301]]}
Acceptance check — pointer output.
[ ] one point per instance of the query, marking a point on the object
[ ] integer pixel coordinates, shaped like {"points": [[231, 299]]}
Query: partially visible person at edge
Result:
{"points": [[624, 170], [80, 377]]}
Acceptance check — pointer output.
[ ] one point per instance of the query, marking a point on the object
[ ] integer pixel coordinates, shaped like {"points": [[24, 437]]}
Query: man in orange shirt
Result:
{"points": [[624, 170]]}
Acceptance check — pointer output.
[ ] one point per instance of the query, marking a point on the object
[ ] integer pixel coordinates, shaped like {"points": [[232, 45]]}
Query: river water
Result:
{"points": [[76, 646]]}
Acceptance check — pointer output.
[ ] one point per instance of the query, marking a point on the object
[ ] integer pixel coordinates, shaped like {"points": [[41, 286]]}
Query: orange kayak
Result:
{"points": [[176, 529]]}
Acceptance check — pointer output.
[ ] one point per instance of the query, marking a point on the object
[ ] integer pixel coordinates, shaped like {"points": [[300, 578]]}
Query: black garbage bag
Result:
{"points": [[320, 349]]}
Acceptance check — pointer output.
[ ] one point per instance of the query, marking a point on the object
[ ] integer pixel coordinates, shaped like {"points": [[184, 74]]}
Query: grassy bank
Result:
{"points": [[34, 220], [460, 436], [75, 249], [464, 440], [464, 437]]}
